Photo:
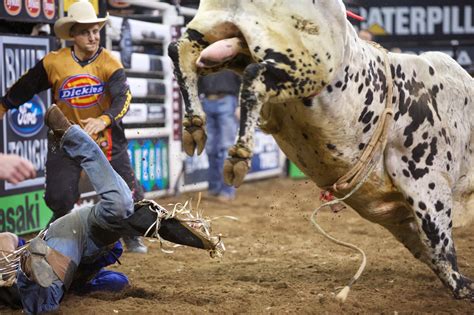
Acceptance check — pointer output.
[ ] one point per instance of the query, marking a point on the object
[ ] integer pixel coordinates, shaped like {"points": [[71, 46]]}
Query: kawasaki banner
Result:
{"points": [[423, 19], [23, 213]]}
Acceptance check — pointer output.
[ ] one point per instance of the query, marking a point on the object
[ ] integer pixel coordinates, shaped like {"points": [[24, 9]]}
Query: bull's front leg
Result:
{"points": [[253, 94], [184, 53]]}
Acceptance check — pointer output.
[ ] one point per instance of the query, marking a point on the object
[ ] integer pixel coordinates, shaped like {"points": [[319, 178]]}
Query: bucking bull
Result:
{"points": [[333, 101]]}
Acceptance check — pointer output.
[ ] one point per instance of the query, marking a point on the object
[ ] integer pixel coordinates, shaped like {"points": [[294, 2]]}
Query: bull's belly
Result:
{"points": [[378, 200]]}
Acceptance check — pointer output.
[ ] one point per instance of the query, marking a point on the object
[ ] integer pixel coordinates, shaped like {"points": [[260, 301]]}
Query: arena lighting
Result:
{"points": [[158, 5]]}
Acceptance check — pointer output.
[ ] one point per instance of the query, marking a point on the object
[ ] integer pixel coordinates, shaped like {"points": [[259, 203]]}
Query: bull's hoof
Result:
{"points": [[466, 290], [194, 135], [235, 170]]}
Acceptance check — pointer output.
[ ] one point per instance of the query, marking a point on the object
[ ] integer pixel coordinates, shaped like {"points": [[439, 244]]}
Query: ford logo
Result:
{"points": [[28, 119]]}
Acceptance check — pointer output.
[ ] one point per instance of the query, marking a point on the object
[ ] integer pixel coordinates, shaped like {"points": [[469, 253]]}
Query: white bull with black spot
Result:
{"points": [[320, 91]]}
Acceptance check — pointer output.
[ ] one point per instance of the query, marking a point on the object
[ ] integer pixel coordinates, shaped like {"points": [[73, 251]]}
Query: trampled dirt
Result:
{"points": [[277, 263]]}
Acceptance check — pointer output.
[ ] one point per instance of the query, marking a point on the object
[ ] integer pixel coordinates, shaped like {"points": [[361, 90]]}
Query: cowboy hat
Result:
{"points": [[82, 12]]}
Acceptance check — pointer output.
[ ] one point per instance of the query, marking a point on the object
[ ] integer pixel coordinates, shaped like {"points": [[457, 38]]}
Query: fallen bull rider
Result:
{"points": [[72, 252]]}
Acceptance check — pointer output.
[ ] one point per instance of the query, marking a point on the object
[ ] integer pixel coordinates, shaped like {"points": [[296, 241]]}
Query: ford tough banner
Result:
{"points": [[22, 208], [414, 20], [32, 11]]}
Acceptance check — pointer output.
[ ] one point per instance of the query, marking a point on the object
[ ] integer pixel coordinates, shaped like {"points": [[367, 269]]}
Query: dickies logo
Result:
{"points": [[81, 91], [13, 7], [33, 7], [28, 119], [49, 9]]}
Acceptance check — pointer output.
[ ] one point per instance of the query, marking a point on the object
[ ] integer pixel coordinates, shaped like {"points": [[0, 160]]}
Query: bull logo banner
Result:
{"points": [[23, 129]]}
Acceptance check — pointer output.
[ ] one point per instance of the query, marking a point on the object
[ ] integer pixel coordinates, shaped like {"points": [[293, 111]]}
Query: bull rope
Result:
{"points": [[360, 172]]}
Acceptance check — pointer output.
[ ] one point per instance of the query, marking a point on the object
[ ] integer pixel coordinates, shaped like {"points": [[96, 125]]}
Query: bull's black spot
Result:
{"points": [[364, 111], [331, 146], [329, 88], [307, 101], [367, 117], [404, 159], [406, 173], [399, 71], [419, 214], [369, 97], [432, 72], [449, 156], [420, 112], [465, 101], [439, 206], [196, 36], [422, 205], [410, 201], [433, 151], [361, 87], [425, 135], [356, 79], [361, 146], [338, 84], [448, 212], [417, 173], [419, 151], [448, 167], [432, 186], [431, 230], [367, 128]]}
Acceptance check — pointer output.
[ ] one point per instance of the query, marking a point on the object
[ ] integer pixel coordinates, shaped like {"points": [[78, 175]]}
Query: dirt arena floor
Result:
{"points": [[277, 263]]}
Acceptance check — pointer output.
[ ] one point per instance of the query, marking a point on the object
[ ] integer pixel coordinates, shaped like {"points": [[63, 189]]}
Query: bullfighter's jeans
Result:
{"points": [[221, 132], [70, 234]]}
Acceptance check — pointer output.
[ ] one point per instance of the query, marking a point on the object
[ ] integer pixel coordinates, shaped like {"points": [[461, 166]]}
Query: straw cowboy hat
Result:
{"points": [[82, 12]]}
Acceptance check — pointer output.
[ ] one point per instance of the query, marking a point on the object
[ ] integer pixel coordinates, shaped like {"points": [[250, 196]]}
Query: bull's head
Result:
{"points": [[285, 50]]}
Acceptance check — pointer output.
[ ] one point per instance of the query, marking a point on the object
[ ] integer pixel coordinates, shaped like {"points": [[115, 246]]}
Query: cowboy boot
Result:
{"points": [[35, 266], [56, 121]]}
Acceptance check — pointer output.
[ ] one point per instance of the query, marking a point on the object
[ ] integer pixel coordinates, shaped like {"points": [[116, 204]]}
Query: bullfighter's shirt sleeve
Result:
{"points": [[117, 85], [32, 82]]}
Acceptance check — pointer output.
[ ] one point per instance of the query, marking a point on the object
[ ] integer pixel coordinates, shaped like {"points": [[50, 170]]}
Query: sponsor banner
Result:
{"points": [[145, 114], [266, 154], [421, 20], [150, 161], [31, 11], [294, 171], [24, 132], [266, 162], [195, 170], [24, 213]]}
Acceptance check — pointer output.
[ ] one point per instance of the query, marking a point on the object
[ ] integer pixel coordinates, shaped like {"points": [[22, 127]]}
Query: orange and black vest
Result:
{"points": [[81, 89]]}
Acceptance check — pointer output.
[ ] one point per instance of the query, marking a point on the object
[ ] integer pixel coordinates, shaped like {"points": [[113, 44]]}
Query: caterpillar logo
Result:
{"points": [[13, 7], [81, 91]]}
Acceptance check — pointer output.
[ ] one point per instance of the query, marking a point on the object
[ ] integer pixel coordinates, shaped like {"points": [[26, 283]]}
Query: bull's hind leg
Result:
{"points": [[431, 202], [184, 54]]}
